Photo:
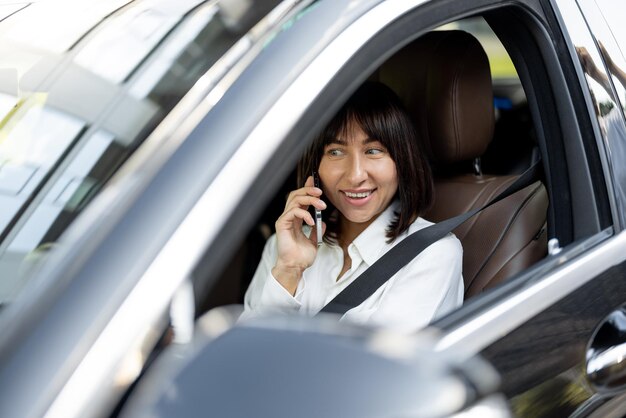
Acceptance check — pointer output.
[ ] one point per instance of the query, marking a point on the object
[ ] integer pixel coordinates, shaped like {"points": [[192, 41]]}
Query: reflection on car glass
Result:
{"points": [[175, 46], [37, 25], [127, 38], [610, 115], [7, 10], [117, 69]]}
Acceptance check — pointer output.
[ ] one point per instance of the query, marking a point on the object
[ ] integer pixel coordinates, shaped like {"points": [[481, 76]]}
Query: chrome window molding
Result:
{"points": [[480, 331], [175, 261]]}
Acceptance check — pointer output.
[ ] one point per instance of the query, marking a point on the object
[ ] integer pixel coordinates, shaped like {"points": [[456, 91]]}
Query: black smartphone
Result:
{"points": [[318, 213]]}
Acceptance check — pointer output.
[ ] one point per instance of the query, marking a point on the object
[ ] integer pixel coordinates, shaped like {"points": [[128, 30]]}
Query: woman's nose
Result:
{"points": [[356, 170]]}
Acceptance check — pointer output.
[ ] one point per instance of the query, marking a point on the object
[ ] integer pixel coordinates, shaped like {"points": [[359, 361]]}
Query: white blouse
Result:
{"points": [[430, 286]]}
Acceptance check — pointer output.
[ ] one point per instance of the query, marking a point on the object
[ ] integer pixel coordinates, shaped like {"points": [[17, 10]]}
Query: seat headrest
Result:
{"points": [[444, 80]]}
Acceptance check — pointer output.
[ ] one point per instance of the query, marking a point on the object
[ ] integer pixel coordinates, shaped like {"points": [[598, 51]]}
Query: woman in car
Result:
{"points": [[375, 182]]}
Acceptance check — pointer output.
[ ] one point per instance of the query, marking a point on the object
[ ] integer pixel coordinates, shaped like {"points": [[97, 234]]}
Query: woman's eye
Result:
{"points": [[335, 152], [374, 151]]}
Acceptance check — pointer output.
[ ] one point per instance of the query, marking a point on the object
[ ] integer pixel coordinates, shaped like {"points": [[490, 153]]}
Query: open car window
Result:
{"points": [[514, 147], [523, 134]]}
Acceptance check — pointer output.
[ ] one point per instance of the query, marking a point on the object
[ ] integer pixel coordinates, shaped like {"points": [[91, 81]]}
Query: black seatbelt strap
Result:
{"points": [[409, 248]]}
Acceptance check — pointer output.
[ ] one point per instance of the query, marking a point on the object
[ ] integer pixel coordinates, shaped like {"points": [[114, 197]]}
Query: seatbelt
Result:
{"points": [[410, 247]]}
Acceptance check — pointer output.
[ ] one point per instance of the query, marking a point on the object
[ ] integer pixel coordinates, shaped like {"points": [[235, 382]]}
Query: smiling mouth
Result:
{"points": [[360, 195]]}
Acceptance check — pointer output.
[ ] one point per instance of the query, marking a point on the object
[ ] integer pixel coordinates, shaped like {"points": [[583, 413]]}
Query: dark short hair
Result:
{"points": [[381, 115]]}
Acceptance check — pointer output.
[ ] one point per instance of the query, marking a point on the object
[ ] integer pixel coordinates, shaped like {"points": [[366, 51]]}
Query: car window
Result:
{"points": [[511, 151], [519, 135], [613, 15], [500, 62], [76, 102]]}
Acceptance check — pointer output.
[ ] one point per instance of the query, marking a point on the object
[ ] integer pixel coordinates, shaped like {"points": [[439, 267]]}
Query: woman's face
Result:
{"points": [[358, 176]]}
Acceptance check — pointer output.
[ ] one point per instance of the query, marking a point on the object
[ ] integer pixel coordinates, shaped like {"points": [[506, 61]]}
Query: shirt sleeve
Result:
{"points": [[265, 295], [430, 286]]}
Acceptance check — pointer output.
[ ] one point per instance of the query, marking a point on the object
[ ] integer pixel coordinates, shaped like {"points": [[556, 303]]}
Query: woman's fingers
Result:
{"points": [[297, 210], [289, 217], [307, 190], [304, 197], [304, 202], [303, 192], [294, 247]]}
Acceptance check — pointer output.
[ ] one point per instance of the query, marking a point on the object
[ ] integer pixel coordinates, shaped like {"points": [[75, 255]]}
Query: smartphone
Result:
{"points": [[318, 213]]}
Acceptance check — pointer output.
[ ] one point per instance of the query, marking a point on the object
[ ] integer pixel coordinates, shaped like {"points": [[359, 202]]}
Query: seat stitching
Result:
{"points": [[454, 93], [485, 196], [505, 231]]}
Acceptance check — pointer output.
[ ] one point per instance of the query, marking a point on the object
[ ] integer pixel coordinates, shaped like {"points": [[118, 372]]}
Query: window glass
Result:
{"points": [[76, 101], [608, 24], [127, 38], [508, 91], [602, 56], [499, 61], [613, 15], [37, 23], [7, 10]]}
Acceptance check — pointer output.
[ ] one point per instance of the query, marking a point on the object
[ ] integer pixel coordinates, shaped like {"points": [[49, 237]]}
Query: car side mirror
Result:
{"points": [[312, 367]]}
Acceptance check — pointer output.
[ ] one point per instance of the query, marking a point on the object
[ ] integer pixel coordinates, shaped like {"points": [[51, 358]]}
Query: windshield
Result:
{"points": [[82, 84]]}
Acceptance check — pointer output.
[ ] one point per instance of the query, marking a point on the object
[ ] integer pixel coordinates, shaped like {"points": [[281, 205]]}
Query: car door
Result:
{"points": [[536, 326]]}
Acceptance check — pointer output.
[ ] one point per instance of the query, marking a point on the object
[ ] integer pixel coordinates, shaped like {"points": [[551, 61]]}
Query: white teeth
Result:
{"points": [[357, 195]]}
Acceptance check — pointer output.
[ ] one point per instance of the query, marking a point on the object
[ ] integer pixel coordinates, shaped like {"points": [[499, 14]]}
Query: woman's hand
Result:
{"points": [[296, 252]]}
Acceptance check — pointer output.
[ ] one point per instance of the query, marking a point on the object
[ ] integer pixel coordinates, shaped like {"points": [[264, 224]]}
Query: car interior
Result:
{"points": [[477, 129], [452, 102]]}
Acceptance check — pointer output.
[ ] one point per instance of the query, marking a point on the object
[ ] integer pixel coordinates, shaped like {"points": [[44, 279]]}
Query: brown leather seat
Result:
{"points": [[445, 82]]}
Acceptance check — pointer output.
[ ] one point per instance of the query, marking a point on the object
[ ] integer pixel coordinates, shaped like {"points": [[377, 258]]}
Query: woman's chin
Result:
{"points": [[360, 218]]}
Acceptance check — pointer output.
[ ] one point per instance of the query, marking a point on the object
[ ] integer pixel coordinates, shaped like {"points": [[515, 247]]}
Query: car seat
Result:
{"points": [[444, 80]]}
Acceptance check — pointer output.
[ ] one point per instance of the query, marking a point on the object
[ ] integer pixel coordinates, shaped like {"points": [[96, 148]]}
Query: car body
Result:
{"points": [[144, 148]]}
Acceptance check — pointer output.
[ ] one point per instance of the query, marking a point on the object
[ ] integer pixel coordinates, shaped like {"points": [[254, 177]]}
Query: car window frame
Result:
{"points": [[368, 58]]}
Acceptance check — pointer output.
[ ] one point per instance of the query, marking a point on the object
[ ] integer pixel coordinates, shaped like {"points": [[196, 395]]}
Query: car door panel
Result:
{"points": [[555, 340]]}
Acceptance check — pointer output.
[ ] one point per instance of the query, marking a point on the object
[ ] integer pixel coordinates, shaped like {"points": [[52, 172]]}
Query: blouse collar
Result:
{"points": [[373, 240]]}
